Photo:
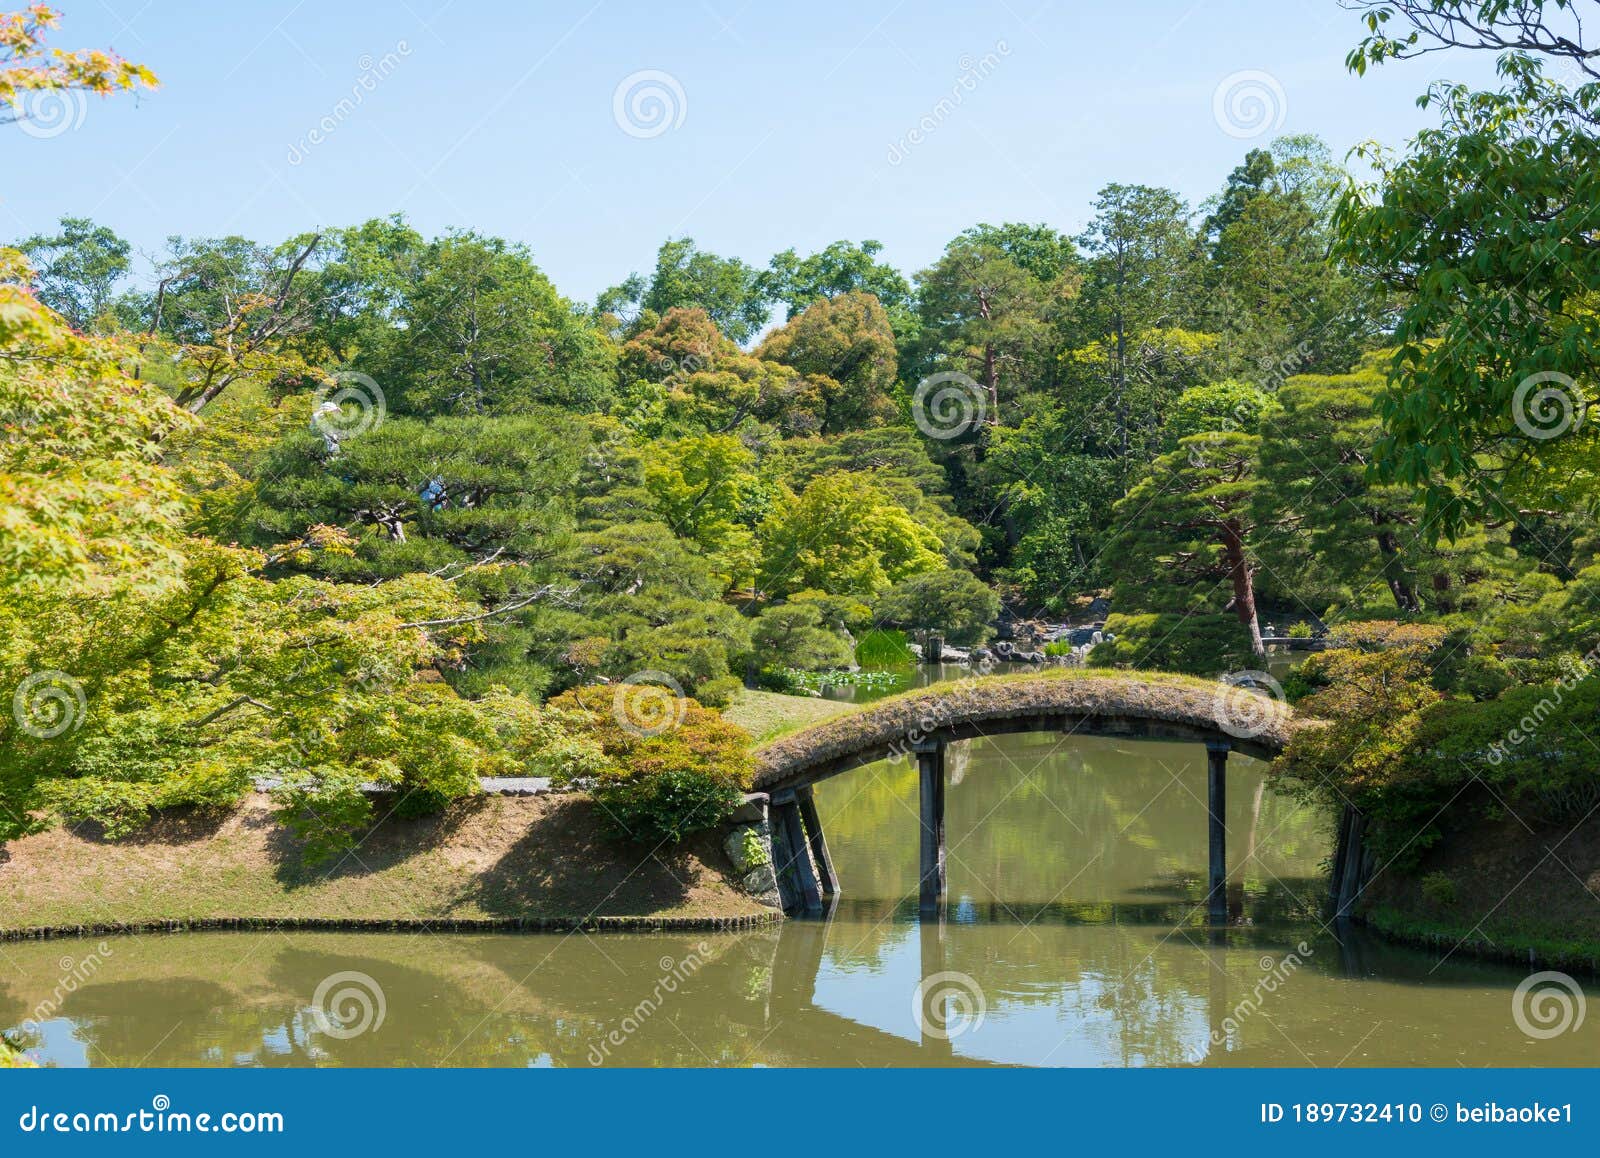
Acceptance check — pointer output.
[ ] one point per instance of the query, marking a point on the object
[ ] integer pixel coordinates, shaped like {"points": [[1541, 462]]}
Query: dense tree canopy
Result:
{"points": [[362, 505]]}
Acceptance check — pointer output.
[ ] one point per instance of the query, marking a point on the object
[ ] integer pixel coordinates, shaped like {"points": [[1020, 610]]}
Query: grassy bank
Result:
{"points": [[768, 715], [1500, 889], [489, 858]]}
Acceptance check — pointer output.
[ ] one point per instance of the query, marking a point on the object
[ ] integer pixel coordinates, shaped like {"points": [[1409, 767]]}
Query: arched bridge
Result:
{"points": [[1225, 717]]}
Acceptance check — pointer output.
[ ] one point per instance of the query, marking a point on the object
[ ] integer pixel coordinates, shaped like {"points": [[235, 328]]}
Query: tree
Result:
{"points": [[792, 635], [843, 268], [1486, 227], [359, 287], [485, 503], [88, 505], [1138, 275], [986, 305], [681, 376], [225, 310], [1283, 306], [847, 345], [688, 277], [1359, 531], [956, 604], [1219, 406], [705, 490], [1481, 25], [28, 71], [482, 330], [1187, 529], [843, 535], [77, 269], [1315, 460], [898, 462], [154, 668]]}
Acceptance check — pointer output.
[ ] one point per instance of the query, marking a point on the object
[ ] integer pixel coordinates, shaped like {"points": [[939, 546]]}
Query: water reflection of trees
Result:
{"points": [[1039, 818], [814, 993]]}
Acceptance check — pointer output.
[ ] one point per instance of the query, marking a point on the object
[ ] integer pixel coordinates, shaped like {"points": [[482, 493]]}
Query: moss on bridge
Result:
{"points": [[1256, 723]]}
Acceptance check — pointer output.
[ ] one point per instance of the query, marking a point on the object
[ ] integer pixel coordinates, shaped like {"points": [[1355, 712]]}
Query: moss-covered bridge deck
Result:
{"points": [[1151, 706]]}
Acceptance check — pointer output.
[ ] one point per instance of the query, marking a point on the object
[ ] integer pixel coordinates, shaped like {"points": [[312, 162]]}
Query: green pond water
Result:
{"points": [[1072, 938]]}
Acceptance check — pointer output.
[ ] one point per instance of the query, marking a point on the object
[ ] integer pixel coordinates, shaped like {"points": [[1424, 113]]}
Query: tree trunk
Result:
{"points": [[991, 383], [1120, 389], [1231, 532], [1405, 596], [1441, 589]]}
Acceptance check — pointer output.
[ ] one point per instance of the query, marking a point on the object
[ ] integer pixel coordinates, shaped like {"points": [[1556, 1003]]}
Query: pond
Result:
{"points": [[1072, 938]]}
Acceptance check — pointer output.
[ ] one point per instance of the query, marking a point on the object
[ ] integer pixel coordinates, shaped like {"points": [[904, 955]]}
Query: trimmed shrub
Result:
{"points": [[669, 765]]}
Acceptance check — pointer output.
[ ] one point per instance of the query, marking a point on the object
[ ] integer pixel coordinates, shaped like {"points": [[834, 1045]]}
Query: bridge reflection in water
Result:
{"points": [[935, 1002], [1071, 708]]}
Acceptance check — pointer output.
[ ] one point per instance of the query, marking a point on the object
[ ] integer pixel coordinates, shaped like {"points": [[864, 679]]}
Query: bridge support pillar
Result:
{"points": [[1216, 808], [930, 766], [1351, 862], [791, 857], [827, 879]]}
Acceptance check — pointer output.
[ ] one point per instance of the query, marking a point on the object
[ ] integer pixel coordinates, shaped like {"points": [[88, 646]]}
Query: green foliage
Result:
{"points": [[1187, 546], [479, 328], [880, 648], [987, 303], [1439, 889], [753, 852], [670, 767], [77, 269], [1165, 641], [843, 268], [326, 810], [955, 603], [846, 348], [730, 292], [1482, 227], [843, 535], [1219, 406], [793, 635]]}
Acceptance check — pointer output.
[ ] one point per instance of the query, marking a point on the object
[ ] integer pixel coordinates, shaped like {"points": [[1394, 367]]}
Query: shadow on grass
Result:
{"points": [[390, 842], [565, 865], [175, 826]]}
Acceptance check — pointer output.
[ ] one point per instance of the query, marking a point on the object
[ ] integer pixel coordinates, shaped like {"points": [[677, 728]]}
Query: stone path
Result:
{"points": [[493, 785]]}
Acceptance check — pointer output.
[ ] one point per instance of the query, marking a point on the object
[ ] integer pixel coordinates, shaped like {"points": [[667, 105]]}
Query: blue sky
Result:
{"points": [[788, 124]]}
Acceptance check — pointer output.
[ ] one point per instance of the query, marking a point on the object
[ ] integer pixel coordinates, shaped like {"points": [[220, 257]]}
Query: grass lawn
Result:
{"points": [[491, 857], [768, 715]]}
